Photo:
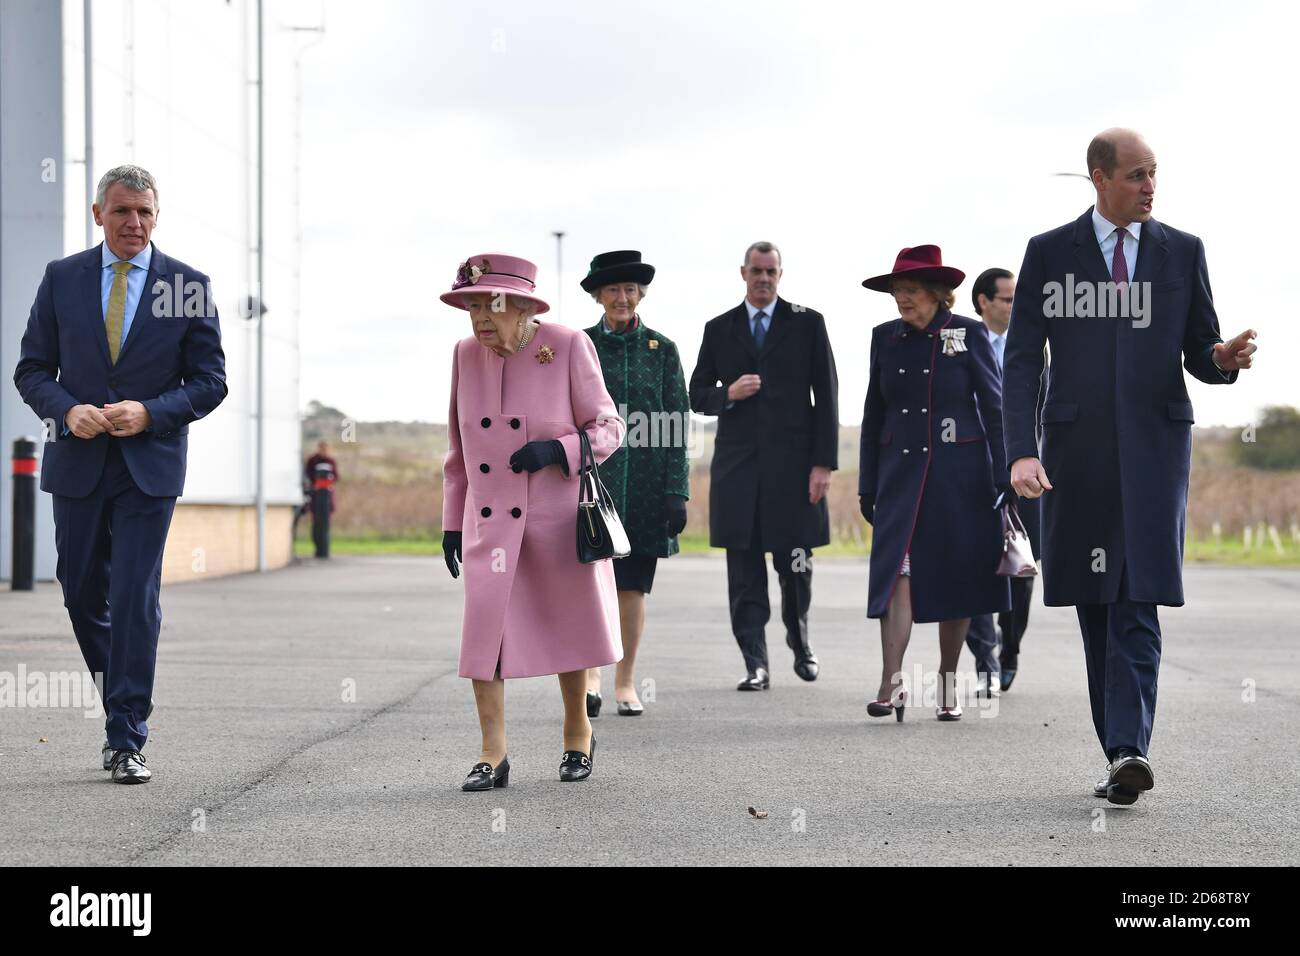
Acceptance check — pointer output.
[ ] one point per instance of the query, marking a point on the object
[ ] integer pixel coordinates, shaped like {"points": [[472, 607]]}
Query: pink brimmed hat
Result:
{"points": [[920, 263], [494, 273]]}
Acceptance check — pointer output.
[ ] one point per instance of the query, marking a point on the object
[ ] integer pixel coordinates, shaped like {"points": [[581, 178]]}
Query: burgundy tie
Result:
{"points": [[1119, 265]]}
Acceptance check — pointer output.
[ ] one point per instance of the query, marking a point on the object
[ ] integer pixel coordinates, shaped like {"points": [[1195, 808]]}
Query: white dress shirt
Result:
{"points": [[1105, 230]]}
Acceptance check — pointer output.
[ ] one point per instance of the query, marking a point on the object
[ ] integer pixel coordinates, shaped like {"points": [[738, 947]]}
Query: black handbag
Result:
{"points": [[600, 532]]}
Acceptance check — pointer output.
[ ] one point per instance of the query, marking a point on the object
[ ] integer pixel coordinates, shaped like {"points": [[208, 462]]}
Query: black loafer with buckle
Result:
{"points": [[484, 776], [576, 765]]}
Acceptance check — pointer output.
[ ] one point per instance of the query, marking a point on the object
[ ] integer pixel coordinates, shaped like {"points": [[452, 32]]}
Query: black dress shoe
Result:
{"points": [[1009, 664], [484, 776], [628, 709], [757, 679], [593, 703], [1130, 774], [576, 765], [106, 752], [806, 664], [128, 767]]}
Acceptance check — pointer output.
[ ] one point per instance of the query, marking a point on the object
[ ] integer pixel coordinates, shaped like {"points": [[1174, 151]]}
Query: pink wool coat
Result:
{"points": [[530, 604]]}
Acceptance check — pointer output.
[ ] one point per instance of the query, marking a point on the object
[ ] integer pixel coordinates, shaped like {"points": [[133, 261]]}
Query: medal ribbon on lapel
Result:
{"points": [[954, 341]]}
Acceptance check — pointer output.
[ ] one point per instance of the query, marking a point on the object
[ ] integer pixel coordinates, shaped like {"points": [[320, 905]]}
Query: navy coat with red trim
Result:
{"points": [[931, 460]]}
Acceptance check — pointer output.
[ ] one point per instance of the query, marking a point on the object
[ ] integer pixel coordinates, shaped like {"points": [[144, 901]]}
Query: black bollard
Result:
{"points": [[24, 563], [322, 496]]}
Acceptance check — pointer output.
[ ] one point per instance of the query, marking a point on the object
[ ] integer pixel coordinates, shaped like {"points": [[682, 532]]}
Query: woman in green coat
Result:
{"points": [[649, 476]]}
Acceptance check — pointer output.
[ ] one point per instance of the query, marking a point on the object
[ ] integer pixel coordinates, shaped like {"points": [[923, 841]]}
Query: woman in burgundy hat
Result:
{"points": [[521, 390], [931, 466]]}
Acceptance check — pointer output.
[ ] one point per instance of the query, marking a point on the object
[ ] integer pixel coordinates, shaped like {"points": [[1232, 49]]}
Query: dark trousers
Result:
{"points": [[750, 610], [1012, 623], [110, 546], [983, 639], [1121, 644]]}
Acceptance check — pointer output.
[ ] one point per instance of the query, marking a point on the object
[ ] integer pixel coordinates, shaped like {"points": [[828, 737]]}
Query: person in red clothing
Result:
{"points": [[331, 471]]}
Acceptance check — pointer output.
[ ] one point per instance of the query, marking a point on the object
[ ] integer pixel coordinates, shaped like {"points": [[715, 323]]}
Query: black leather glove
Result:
{"points": [[451, 551], [536, 455], [867, 505], [675, 513]]}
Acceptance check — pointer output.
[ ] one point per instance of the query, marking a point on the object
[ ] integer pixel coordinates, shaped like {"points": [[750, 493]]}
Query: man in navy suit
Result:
{"points": [[997, 649], [122, 351], [1121, 300]]}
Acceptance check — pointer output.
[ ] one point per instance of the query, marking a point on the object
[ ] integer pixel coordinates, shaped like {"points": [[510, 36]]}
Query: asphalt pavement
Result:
{"points": [[314, 716]]}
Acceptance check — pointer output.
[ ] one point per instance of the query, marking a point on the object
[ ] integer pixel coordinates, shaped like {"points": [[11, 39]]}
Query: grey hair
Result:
{"points": [[527, 306], [761, 246], [135, 178], [645, 290]]}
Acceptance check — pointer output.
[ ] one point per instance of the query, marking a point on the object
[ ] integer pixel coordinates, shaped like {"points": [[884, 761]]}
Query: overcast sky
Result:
{"points": [[433, 131]]}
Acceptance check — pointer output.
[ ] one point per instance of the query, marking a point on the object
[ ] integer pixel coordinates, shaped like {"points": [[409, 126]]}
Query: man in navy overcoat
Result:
{"points": [[122, 351], [1122, 300]]}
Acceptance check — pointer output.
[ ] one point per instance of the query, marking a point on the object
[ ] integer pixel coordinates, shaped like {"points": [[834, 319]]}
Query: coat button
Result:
{"points": [[484, 468], [907, 451], [905, 411], [486, 422], [925, 371], [514, 423], [900, 371], [515, 512], [486, 512], [925, 449], [924, 410], [516, 468]]}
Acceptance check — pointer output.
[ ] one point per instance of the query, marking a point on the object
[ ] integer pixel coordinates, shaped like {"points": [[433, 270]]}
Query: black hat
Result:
{"points": [[611, 267]]}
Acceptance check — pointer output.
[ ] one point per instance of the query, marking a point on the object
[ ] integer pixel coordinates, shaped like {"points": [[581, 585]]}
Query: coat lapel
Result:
{"points": [[1153, 249], [1086, 251], [92, 296], [740, 330]]}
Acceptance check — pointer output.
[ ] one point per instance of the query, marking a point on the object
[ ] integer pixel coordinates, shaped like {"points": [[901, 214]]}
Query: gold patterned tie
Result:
{"points": [[116, 309]]}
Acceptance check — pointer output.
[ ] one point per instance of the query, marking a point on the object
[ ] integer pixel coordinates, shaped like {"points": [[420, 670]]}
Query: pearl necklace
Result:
{"points": [[525, 337]]}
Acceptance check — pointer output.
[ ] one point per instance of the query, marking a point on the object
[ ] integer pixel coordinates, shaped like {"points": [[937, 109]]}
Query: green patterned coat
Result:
{"points": [[643, 374]]}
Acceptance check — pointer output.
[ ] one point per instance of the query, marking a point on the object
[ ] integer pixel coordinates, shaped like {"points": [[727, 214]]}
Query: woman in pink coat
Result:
{"points": [[520, 390]]}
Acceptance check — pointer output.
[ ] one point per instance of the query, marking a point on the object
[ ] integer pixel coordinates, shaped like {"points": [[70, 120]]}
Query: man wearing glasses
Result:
{"points": [[992, 295]]}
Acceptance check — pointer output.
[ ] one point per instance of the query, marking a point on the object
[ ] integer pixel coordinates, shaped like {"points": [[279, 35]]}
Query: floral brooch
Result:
{"points": [[469, 273], [545, 355]]}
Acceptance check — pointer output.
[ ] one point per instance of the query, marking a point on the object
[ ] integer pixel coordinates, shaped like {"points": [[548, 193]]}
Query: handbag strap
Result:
{"points": [[1013, 518], [588, 476]]}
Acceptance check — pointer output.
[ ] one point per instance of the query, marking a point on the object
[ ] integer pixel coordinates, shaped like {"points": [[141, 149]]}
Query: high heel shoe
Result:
{"points": [[628, 709], [576, 765], [883, 708], [947, 713], [593, 703], [484, 776]]}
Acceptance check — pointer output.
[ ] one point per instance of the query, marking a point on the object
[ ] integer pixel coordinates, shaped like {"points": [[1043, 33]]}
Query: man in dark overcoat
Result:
{"points": [[1122, 301], [767, 371]]}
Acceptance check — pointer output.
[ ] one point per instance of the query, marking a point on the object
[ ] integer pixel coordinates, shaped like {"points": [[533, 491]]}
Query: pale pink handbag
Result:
{"points": [[1017, 559]]}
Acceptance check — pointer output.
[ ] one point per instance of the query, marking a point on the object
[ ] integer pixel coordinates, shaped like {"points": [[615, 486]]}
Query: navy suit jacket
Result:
{"points": [[1116, 421], [171, 362]]}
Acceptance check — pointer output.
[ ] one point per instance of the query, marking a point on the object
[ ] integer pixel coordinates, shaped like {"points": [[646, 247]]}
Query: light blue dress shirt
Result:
{"points": [[753, 311], [999, 343], [134, 282]]}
